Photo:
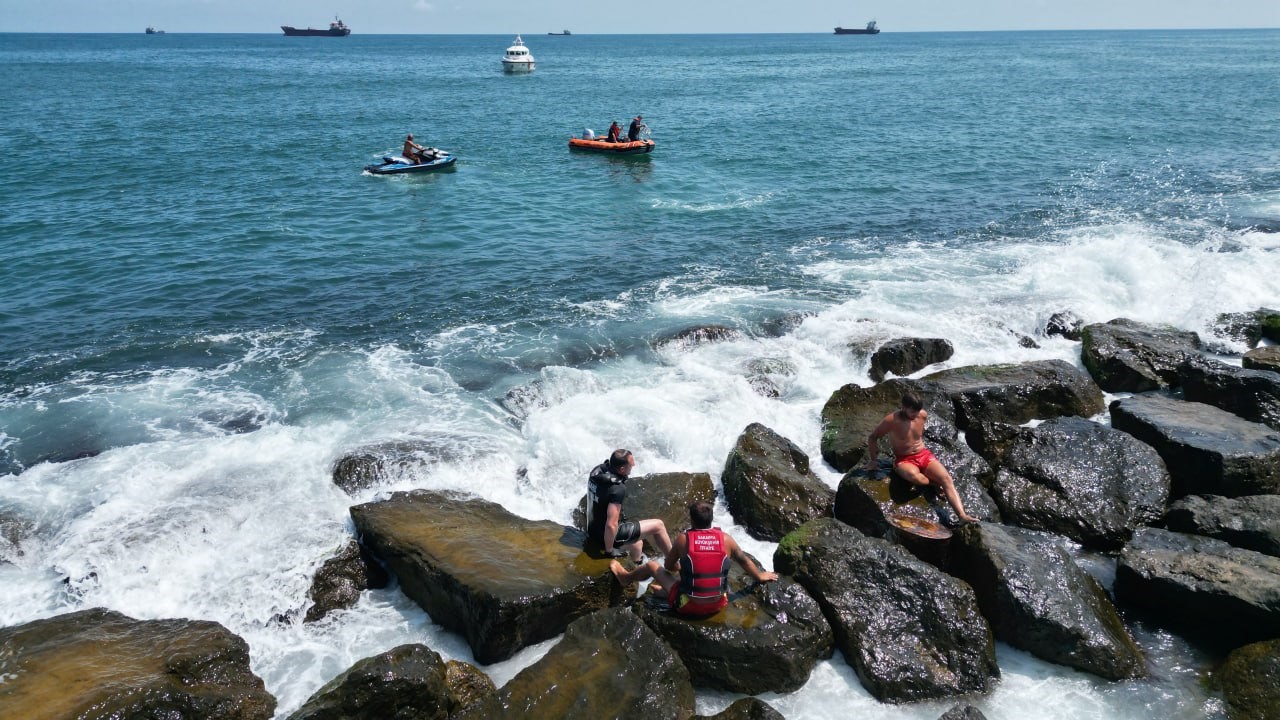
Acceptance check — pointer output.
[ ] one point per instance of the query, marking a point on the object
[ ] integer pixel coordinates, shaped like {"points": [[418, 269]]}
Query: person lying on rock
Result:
{"points": [[701, 556], [606, 489], [912, 460]]}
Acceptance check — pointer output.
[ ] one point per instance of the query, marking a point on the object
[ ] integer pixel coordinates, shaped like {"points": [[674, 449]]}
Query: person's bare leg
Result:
{"points": [[657, 530], [938, 475], [640, 574], [911, 474]]}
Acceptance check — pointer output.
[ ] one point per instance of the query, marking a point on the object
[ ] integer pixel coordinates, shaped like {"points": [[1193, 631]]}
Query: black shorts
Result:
{"points": [[628, 532]]}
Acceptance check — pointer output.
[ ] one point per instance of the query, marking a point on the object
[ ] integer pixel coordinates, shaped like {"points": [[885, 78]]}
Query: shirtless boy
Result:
{"points": [[912, 460]]}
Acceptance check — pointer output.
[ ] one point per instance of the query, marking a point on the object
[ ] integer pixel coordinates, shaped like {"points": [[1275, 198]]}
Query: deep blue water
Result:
{"points": [[206, 302]]}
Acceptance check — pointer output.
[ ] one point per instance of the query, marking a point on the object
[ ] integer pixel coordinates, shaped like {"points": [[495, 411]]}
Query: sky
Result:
{"points": [[535, 17]]}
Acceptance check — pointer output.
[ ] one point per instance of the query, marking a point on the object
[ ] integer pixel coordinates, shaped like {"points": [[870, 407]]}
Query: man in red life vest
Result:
{"points": [[701, 556]]}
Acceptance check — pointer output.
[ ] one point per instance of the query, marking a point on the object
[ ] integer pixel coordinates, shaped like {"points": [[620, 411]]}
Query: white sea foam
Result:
{"points": [[741, 202]]}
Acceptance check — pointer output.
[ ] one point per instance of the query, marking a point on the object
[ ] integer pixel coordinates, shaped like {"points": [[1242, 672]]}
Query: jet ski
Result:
{"points": [[398, 164]]}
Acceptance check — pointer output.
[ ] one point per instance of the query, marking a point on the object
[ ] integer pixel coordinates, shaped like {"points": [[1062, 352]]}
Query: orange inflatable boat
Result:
{"points": [[632, 147]]}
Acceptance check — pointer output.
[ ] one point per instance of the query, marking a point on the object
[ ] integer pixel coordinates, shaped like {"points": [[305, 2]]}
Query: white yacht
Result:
{"points": [[517, 58]]}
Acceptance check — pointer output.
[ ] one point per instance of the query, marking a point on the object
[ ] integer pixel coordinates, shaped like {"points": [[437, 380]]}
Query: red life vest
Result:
{"points": [[704, 573]]}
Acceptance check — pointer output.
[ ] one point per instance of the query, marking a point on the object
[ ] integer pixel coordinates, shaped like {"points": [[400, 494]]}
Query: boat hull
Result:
{"points": [[312, 32], [857, 31], [517, 66], [636, 147], [393, 165]]}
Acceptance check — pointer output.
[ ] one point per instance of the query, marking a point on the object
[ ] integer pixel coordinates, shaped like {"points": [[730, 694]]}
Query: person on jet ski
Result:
{"points": [[414, 152]]}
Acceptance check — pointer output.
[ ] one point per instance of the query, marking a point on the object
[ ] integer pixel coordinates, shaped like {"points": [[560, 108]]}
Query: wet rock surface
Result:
{"points": [[910, 631], [1064, 324], [767, 639], [903, 356], [1250, 681], [410, 682], [99, 665], [1251, 522], [1252, 394], [852, 412], [866, 502], [696, 335], [1263, 358], [1037, 599], [1016, 393], [1249, 327], [748, 708], [1128, 356], [501, 581], [769, 377], [340, 580], [14, 529], [368, 466], [665, 496], [1201, 586], [1074, 477], [963, 712], [608, 665], [768, 485], [1208, 451]]}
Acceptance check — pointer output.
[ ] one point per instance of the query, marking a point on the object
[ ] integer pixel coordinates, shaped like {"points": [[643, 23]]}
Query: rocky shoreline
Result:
{"points": [[1182, 487]]}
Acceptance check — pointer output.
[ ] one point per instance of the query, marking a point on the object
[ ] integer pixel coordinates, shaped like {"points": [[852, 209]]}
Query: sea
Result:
{"points": [[205, 302]]}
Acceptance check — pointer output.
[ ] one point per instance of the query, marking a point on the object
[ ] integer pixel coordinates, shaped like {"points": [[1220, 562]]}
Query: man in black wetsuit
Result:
{"points": [[633, 132], [606, 489]]}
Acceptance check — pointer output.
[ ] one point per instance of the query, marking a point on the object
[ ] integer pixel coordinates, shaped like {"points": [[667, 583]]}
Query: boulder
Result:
{"points": [[866, 502], [1251, 522], [747, 708], [903, 356], [363, 468], [909, 630], [101, 665], [609, 664], [1128, 356], [963, 712], [1038, 600], [340, 580], [1263, 358], [665, 496], [696, 335], [1204, 587], [768, 485], [852, 412], [1252, 394], [14, 529], [501, 581], [767, 639], [1064, 324], [1208, 451], [1016, 393], [1250, 681], [1075, 477], [770, 376], [1249, 328], [410, 682]]}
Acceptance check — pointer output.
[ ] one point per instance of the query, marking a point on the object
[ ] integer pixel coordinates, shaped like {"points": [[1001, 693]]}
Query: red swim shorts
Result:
{"points": [[920, 459]]}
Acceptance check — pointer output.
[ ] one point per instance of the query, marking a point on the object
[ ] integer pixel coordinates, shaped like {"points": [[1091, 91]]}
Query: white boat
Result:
{"points": [[517, 58]]}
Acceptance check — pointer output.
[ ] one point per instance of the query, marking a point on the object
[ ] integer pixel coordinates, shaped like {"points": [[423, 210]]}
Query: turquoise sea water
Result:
{"points": [[206, 302]]}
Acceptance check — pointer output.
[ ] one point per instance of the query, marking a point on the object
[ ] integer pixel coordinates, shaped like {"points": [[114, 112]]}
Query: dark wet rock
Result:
{"points": [[340, 580], [748, 708], [1208, 451], [469, 687], [780, 325], [866, 502], [1023, 339], [501, 581], [14, 529], [368, 466], [101, 665], [1204, 587], [1263, 358], [768, 484], [696, 335], [852, 412], [963, 712], [1251, 522], [767, 639], [1252, 394], [1075, 477], [1037, 599], [909, 630], [1128, 356], [409, 682], [1016, 393], [1250, 681], [1064, 324], [1249, 327], [769, 376], [665, 496], [903, 356], [609, 664]]}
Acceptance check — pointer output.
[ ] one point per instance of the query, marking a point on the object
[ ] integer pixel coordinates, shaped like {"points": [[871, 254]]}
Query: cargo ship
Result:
{"points": [[337, 28], [870, 29]]}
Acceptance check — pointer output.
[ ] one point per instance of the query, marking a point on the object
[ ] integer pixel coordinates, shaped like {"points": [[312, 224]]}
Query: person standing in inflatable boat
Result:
{"points": [[701, 557]]}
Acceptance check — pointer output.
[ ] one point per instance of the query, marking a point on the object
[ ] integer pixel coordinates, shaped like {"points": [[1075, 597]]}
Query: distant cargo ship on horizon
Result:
{"points": [[870, 29], [337, 28]]}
